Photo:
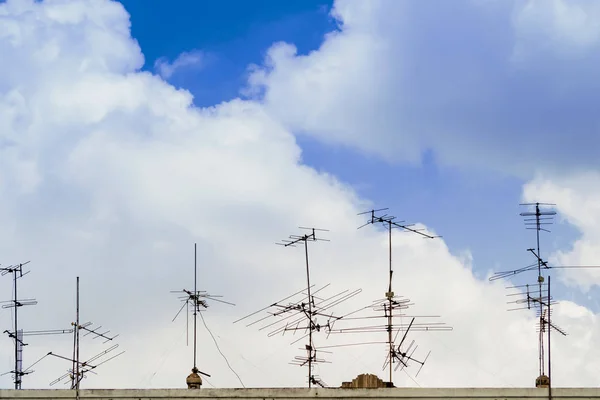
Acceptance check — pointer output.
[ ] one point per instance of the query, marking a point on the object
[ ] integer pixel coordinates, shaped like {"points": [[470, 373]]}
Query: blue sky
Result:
{"points": [[447, 115], [232, 34], [473, 209]]}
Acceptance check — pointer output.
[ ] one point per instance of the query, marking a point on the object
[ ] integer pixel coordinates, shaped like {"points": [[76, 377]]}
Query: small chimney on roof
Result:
{"points": [[366, 381]]}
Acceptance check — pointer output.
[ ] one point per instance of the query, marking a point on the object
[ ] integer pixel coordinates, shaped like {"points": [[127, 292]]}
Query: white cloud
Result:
{"points": [[340, 92], [397, 80], [578, 199], [566, 28], [118, 174], [166, 69]]}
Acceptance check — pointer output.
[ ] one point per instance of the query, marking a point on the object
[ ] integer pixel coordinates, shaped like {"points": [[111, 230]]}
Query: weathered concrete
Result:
{"points": [[301, 394]]}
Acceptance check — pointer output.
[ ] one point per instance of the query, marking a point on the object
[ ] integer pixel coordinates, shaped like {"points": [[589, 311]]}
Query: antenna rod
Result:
{"points": [[77, 339], [549, 327], [17, 377], [195, 301], [390, 295], [540, 281], [310, 340]]}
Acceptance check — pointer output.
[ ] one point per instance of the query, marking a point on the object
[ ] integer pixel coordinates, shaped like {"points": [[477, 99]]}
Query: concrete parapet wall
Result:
{"points": [[301, 394]]}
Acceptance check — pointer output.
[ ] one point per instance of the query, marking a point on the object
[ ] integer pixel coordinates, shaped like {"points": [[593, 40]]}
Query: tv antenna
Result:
{"points": [[534, 297], [298, 312], [79, 368], [18, 334], [391, 307], [198, 301], [539, 219]]}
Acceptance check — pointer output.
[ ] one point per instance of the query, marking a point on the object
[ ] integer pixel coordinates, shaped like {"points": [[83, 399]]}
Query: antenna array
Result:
{"points": [[392, 306], [198, 302], [537, 296], [17, 334], [299, 312], [79, 368]]}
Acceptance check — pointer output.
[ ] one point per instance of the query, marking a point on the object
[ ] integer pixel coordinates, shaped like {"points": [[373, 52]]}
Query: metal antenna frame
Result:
{"points": [[538, 220], [18, 334], [79, 369], [391, 305], [538, 300], [198, 299], [303, 307]]}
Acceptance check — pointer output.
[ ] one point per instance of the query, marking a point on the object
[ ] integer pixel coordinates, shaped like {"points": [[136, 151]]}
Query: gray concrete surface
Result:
{"points": [[301, 394]]}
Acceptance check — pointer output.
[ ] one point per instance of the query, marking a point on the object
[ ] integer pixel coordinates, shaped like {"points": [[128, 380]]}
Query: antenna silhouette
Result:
{"points": [[198, 300], [79, 368], [539, 219], [392, 306], [18, 334], [299, 311]]}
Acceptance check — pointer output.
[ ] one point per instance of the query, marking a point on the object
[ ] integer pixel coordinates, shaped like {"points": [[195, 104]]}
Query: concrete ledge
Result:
{"points": [[302, 393]]}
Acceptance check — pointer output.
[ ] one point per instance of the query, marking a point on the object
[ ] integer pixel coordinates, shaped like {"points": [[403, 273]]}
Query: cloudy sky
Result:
{"points": [[128, 133]]}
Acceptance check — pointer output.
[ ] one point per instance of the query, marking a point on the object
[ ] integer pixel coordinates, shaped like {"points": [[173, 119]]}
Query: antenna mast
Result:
{"points": [[16, 334], [311, 357], [304, 310], [538, 219], [79, 368], [391, 305], [199, 301], [535, 220]]}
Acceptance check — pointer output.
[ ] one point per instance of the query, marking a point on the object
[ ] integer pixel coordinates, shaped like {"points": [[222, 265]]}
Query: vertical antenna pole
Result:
{"points": [[17, 377], [74, 358], [310, 341], [193, 380], [195, 301], [390, 245], [77, 340], [540, 282], [308, 312], [390, 295], [187, 324], [549, 364]]}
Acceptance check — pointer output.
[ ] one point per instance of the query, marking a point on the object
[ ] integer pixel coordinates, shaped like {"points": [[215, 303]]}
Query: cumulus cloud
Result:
{"points": [[188, 59], [399, 78], [578, 199], [110, 174]]}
